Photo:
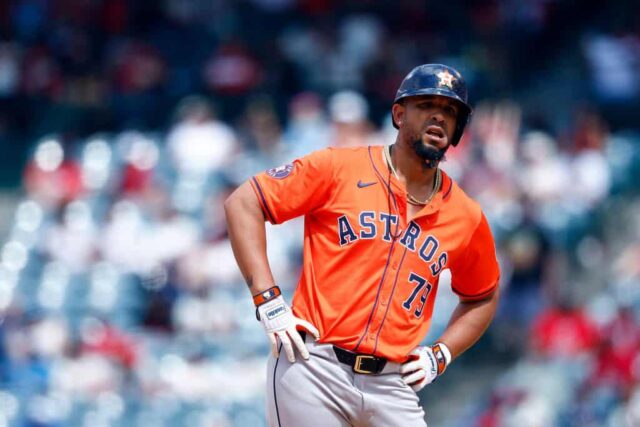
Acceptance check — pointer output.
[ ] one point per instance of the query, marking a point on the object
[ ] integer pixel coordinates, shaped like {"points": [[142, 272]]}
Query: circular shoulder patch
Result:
{"points": [[281, 171]]}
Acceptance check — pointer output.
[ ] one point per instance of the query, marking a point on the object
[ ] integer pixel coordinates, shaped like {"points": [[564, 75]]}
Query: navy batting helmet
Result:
{"points": [[437, 79]]}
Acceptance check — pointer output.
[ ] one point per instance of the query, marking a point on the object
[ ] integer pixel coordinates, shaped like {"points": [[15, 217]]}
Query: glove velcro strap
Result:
{"points": [[273, 308], [442, 355], [266, 296]]}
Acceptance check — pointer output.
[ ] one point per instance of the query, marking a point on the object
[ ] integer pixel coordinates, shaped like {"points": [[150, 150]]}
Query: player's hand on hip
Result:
{"points": [[280, 324], [425, 364]]}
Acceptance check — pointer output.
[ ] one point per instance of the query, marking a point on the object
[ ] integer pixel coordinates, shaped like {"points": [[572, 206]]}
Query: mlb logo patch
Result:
{"points": [[281, 171]]}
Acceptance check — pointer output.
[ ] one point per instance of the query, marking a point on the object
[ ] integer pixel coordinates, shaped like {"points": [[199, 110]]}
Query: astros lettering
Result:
{"points": [[410, 238]]}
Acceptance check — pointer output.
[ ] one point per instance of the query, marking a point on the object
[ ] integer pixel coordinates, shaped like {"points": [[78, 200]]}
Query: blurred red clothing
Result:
{"points": [[615, 367], [619, 353], [232, 70], [57, 186], [623, 331], [136, 180], [41, 74], [112, 343], [138, 66], [115, 16], [563, 332]]}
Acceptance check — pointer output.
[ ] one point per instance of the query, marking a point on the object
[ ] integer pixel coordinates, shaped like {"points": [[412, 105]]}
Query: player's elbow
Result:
{"points": [[232, 203], [241, 201]]}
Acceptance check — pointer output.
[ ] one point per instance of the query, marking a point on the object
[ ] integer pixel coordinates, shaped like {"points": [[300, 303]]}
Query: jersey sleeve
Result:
{"points": [[476, 275], [295, 189]]}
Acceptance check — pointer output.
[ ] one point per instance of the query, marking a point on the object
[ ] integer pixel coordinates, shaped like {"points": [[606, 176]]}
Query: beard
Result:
{"points": [[431, 155]]}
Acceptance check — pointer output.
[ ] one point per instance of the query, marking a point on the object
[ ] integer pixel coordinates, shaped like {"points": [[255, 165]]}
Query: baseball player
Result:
{"points": [[381, 224]]}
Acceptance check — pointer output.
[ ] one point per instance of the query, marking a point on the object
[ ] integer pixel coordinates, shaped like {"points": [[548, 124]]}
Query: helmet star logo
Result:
{"points": [[446, 79]]}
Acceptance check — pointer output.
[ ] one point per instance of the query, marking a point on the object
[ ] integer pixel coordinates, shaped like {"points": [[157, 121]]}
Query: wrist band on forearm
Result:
{"points": [[266, 296], [443, 356]]}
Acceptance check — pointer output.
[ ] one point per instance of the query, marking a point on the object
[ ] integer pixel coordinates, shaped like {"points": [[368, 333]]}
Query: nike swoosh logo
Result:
{"points": [[365, 184]]}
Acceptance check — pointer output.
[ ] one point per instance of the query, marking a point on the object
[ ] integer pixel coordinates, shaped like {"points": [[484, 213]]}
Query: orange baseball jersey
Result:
{"points": [[370, 274]]}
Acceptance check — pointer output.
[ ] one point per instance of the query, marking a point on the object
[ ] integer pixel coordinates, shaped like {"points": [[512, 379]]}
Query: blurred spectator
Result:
{"points": [[137, 67], [198, 143], [614, 66], [123, 240], [136, 245], [261, 130], [97, 164], [199, 146], [141, 156], [526, 262], [232, 70], [545, 174], [618, 355], [9, 70], [72, 239], [85, 376], [349, 113], [49, 338], [53, 177], [41, 74], [632, 409], [308, 127], [494, 133], [99, 337], [231, 74], [591, 176], [262, 139], [137, 73], [497, 128], [563, 331]]}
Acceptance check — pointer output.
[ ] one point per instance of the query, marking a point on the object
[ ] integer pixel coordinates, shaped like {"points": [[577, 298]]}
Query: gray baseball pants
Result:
{"points": [[323, 392]]}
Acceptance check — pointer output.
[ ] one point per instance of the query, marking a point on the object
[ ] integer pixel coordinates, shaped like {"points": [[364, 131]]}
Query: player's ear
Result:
{"points": [[398, 111]]}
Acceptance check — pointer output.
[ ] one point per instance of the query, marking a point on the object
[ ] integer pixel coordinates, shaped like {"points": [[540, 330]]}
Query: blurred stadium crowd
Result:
{"points": [[120, 301]]}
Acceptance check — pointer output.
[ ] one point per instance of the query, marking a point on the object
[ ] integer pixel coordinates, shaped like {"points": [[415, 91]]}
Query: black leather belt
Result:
{"points": [[360, 363]]}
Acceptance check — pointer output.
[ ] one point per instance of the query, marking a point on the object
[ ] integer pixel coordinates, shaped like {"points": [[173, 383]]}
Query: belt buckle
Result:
{"points": [[358, 363]]}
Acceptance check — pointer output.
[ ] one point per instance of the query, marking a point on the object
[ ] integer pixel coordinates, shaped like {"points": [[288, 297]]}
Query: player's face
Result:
{"points": [[428, 124]]}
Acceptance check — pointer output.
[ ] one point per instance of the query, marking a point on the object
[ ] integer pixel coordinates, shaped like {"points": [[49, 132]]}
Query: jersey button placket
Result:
{"points": [[388, 283], [387, 288]]}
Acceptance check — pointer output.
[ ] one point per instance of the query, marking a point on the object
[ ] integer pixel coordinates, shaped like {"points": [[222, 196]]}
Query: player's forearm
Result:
{"points": [[467, 324], [245, 223]]}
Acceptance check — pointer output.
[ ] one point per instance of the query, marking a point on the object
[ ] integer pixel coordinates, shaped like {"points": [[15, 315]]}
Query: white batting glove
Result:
{"points": [[278, 321], [424, 366]]}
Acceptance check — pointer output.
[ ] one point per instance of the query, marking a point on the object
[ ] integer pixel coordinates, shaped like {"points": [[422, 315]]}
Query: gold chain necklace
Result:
{"points": [[411, 199]]}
